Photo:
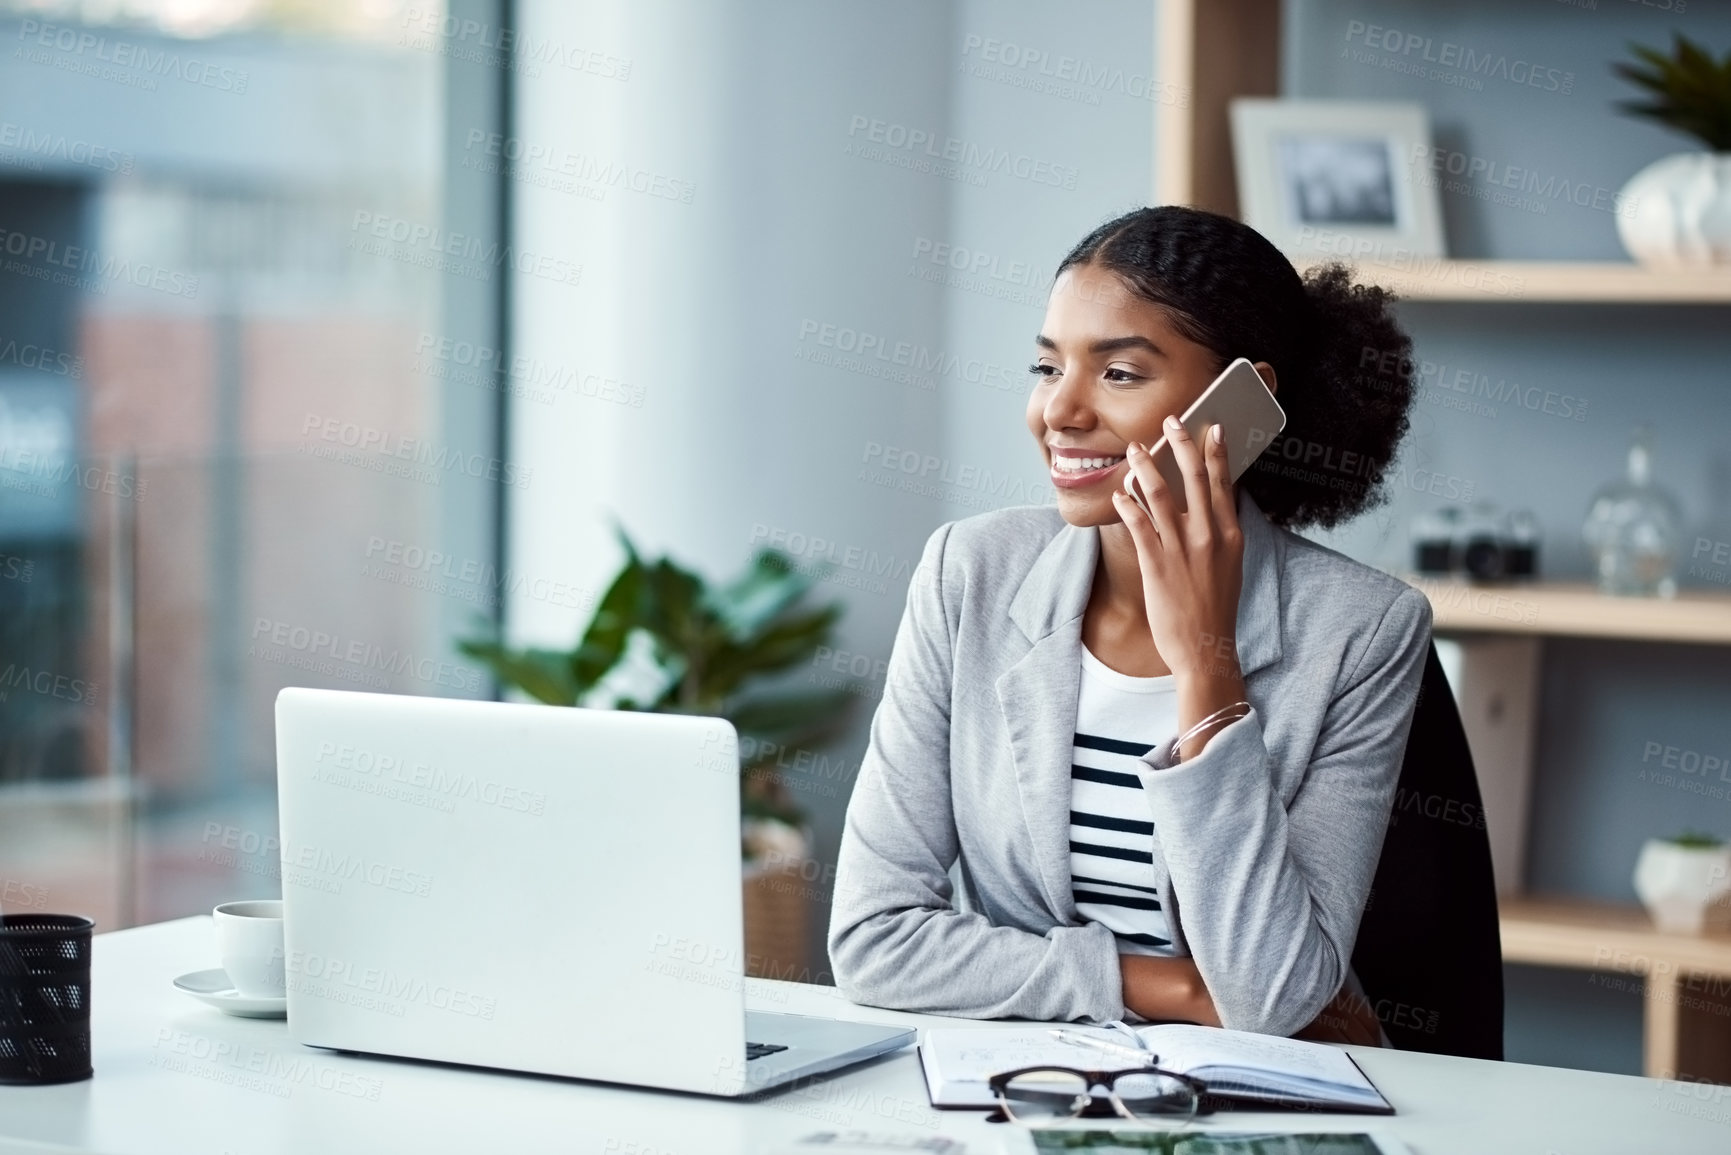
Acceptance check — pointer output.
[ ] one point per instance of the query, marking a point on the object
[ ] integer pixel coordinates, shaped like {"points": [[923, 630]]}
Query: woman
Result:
{"points": [[1048, 659]]}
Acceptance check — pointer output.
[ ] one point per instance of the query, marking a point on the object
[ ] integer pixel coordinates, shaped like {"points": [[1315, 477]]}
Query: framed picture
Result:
{"points": [[1337, 178]]}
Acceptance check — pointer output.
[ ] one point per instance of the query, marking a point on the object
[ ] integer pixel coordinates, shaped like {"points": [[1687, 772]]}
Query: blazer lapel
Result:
{"points": [[1038, 694], [1259, 600]]}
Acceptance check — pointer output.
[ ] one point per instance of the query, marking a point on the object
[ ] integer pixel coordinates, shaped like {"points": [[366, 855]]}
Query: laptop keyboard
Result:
{"points": [[759, 1050]]}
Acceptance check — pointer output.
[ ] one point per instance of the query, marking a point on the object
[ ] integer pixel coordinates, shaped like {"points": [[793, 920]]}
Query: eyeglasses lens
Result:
{"points": [[1036, 1097], [1158, 1098]]}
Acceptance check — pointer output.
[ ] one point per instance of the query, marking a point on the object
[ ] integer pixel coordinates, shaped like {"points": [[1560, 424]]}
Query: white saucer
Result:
{"points": [[213, 989]]}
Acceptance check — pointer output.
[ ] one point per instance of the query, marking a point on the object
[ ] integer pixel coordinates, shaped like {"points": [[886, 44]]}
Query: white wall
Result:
{"points": [[1102, 135], [713, 308]]}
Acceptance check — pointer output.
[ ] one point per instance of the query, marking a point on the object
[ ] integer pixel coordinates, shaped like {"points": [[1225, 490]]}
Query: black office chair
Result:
{"points": [[1429, 952]]}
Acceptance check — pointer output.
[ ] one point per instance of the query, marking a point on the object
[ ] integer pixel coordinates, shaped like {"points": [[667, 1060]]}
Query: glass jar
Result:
{"points": [[1634, 527]]}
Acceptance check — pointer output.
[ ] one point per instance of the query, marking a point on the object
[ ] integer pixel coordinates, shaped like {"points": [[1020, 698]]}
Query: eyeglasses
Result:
{"points": [[1045, 1096]]}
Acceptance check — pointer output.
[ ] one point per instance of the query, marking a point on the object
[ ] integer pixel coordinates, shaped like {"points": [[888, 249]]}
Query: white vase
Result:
{"points": [[1680, 885], [1676, 212]]}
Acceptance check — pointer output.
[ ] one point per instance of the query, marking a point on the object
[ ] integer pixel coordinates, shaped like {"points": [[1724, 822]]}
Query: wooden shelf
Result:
{"points": [[1684, 980], [1223, 49], [1538, 282], [1605, 936], [1569, 609]]}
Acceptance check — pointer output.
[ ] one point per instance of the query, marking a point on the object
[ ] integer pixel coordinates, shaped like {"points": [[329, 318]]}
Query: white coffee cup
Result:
{"points": [[249, 944]]}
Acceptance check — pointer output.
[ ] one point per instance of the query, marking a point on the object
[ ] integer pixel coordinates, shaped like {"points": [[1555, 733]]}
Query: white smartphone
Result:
{"points": [[1248, 416]]}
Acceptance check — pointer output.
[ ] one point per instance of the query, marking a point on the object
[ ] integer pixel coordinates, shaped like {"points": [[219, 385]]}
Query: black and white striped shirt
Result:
{"points": [[1118, 719]]}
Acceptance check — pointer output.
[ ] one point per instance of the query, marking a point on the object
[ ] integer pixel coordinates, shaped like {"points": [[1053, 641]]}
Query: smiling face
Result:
{"points": [[1109, 366]]}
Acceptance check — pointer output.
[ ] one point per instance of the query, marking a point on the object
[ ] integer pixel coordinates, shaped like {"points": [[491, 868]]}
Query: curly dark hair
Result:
{"points": [[1344, 365]]}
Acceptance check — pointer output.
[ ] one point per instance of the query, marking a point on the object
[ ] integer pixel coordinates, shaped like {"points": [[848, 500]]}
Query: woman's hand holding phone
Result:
{"points": [[1192, 566]]}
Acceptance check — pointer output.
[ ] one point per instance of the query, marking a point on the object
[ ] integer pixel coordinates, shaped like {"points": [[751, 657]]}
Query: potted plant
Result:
{"points": [[1676, 212], [1683, 880], [664, 639]]}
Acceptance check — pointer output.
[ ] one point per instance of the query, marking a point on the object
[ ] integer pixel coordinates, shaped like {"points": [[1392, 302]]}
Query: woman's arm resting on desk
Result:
{"points": [[1167, 988], [894, 938], [1271, 895], [1172, 988]]}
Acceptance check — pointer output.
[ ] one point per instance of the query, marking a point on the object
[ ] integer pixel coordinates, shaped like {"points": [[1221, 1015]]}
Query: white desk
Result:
{"points": [[163, 1085]]}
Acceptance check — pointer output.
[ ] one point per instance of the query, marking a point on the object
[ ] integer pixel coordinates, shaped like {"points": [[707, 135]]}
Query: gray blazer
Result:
{"points": [[1265, 843]]}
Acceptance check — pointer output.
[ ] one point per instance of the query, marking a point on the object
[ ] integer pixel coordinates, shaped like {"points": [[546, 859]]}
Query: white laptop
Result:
{"points": [[534, 888]]}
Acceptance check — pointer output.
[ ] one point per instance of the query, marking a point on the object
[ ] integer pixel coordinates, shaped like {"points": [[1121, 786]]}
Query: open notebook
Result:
{"points": [[1237, 1066]]}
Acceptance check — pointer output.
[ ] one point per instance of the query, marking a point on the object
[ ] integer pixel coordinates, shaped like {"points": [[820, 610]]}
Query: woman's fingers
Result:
{"points": [[1188, 456], [1220, 492], [1164, 516], [1142, 532]]}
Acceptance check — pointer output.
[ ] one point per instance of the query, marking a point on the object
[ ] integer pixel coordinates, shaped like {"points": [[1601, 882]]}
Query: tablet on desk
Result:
{"points": [[1124, 1141]]}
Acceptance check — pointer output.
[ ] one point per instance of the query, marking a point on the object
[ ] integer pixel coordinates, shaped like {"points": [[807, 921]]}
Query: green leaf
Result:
{"points": [[749, 602], [1691, 90], [672, 603], [1691, 57], [785, 644], [604, 639], [646, 676], [542, 674], [787, 719]]}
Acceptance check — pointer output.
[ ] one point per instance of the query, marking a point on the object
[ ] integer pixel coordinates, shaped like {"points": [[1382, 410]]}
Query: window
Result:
{"points": [[249, 304]]}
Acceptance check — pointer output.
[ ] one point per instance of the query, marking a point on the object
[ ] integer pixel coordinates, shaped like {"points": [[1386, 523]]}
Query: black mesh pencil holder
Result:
{"points": [[44, 998]]}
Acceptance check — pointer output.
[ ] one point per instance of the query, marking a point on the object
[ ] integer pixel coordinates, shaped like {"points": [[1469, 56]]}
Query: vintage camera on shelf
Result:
{"points": [[1481, 544]]}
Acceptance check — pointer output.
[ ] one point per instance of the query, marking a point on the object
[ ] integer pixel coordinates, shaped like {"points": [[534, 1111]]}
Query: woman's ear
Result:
{"points": [[1266, 372]]}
